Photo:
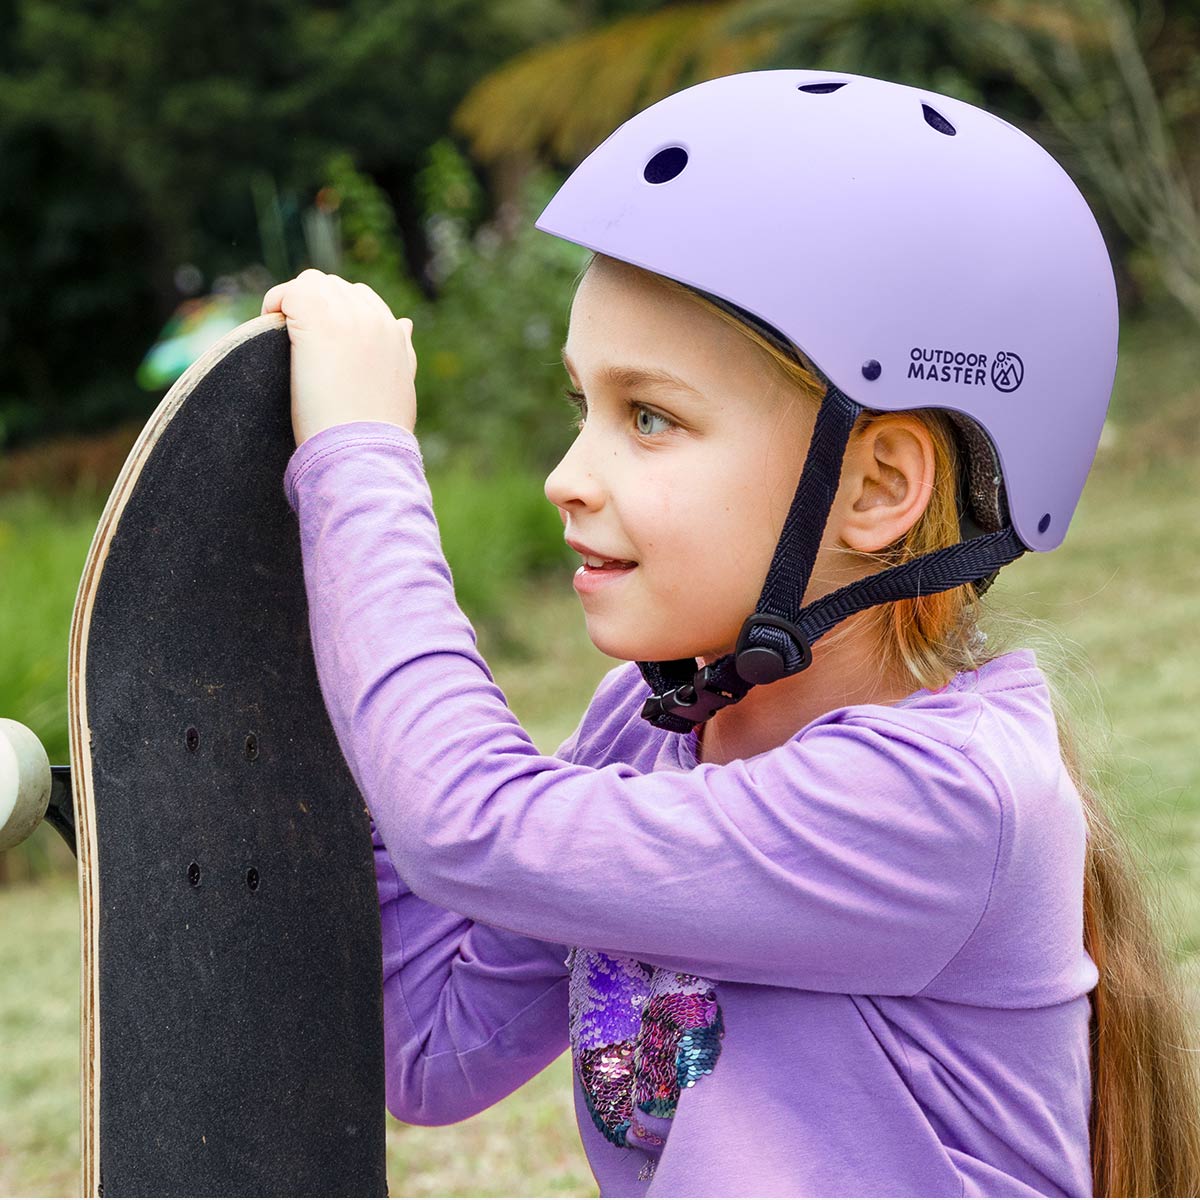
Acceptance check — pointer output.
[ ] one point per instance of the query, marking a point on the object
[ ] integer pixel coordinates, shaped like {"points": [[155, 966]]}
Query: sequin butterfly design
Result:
{"points": [[639, 1034]]}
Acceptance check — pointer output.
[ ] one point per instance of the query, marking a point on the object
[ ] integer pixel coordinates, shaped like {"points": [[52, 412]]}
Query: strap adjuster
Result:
{"points": [[764, 664]]}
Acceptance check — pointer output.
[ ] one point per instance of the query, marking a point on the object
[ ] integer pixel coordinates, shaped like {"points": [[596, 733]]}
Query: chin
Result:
{"points": [[636, 648]]}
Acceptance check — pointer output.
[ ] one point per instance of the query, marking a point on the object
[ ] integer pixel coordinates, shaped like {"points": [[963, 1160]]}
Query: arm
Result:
{"points": [[857, 857], [470, 1013]]}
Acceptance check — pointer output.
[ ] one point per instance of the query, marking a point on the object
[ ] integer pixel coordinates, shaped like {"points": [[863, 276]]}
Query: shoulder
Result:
{"points": [[988, 715], [1027, 949], [988, 736]]}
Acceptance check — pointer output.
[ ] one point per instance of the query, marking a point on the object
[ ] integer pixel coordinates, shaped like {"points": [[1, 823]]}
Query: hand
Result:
{"points": [[352, 360]]}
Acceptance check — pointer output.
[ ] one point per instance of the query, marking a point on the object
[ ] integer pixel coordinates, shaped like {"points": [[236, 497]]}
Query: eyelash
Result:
{"points": [[578, 401]]}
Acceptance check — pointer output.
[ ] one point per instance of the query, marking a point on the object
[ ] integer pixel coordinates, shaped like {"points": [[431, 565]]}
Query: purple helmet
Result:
{"points": [[920, 253]]}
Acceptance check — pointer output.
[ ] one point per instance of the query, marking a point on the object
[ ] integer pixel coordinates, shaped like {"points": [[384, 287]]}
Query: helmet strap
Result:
{"points": [[776, 639]]}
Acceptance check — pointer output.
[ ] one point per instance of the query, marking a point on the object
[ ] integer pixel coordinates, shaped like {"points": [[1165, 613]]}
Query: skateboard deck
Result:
{"points": [[231, 1018]]}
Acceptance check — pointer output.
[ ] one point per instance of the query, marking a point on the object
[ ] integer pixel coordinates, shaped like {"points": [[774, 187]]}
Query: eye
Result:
{"points": [[641, 411], [578, 401]]}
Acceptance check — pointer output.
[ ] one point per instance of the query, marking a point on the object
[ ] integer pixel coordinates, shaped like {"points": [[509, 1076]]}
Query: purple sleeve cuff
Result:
{"points": [[335, 437]]}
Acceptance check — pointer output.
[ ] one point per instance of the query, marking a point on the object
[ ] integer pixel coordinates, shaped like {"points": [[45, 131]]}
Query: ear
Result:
{"points": [[887, 479]]}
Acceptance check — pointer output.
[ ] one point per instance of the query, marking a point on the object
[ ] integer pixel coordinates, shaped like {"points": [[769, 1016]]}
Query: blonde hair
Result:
{"points": [[1144, 1124]]}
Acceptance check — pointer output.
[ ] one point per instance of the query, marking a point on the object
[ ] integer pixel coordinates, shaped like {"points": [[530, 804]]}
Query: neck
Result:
{"points": [[845, 670]]}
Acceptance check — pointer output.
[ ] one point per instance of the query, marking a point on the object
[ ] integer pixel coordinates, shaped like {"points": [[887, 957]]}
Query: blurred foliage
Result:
{"points": [[563, 99], [134, 138], [1097, 92]]}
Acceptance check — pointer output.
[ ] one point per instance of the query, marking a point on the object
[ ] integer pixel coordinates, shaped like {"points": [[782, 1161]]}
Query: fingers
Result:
{"points": [[272, 301], [310, 280], [288, 298], [277, 297]]}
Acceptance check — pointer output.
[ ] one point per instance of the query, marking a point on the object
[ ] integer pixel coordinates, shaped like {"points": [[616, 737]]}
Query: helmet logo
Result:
{"points": [[1007, 371], [959, 366]]}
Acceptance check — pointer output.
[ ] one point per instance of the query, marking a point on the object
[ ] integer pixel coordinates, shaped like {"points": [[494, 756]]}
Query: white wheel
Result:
{"points": [[24, 782]]}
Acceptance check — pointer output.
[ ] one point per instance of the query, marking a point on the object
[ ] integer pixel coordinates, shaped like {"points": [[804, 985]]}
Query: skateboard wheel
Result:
{"points": [[24, 782]]}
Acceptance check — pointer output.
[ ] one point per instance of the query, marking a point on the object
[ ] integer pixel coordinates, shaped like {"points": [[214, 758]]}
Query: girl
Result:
{"points": [[815, 911]]}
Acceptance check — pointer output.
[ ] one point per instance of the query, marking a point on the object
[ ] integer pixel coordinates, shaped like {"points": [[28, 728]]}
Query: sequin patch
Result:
{"points": [[679, 1040], [639, 1034]]}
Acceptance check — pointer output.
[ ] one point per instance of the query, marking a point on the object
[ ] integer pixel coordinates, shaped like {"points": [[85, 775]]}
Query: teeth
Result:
{"points": [[593, 561]]}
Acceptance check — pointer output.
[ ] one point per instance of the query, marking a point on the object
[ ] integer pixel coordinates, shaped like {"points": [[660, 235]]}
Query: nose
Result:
{"points": [[573, 484]]}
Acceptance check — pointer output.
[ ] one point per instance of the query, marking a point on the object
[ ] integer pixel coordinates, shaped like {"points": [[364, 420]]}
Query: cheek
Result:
{"points": [[707, 547], [707, 521], [657, 513]]}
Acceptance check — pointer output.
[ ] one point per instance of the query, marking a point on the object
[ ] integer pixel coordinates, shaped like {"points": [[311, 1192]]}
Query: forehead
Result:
{"points": [[627, 331], [628, 375]]}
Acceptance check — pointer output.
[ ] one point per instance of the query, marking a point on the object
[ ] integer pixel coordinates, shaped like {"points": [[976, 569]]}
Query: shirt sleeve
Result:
{"points": [[858, 857], [470, 1013]]}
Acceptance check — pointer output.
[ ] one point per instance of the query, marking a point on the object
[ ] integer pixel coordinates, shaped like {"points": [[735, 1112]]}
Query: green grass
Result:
{"points": [[43, 545], [39, 1030], [1114, 624]]}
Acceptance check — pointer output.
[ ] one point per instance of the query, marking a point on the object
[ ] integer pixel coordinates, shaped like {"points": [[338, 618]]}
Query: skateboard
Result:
{"points": [[231, 1017]]}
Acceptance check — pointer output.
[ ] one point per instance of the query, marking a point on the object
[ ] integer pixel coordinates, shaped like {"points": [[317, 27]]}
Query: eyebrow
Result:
{"points": [[632, 377]]}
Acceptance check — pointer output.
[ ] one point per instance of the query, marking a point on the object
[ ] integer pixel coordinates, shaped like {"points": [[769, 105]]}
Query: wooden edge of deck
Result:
{"points": [[80, 736]]}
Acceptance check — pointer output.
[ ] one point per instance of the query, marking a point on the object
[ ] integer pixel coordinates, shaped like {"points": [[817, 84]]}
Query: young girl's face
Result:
{"points": [[689, 481]]}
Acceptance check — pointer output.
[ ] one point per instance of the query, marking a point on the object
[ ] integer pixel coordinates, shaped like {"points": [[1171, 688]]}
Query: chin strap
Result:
{"points": [[776, 639]]}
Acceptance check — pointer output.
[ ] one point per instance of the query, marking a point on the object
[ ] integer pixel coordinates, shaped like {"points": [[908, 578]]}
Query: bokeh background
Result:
{"points": [[161, 165]]}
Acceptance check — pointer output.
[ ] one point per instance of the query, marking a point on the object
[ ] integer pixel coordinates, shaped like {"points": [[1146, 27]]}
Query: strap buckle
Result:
{"points": [[688, 704]]}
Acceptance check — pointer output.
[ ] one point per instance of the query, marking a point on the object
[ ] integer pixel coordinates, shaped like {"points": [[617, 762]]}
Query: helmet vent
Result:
{"points": [[665, 165], [934, 118], [819, 89]]}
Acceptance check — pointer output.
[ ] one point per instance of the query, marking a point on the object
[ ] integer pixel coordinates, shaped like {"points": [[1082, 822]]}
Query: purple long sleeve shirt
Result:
{"points": [[889, 904]]}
